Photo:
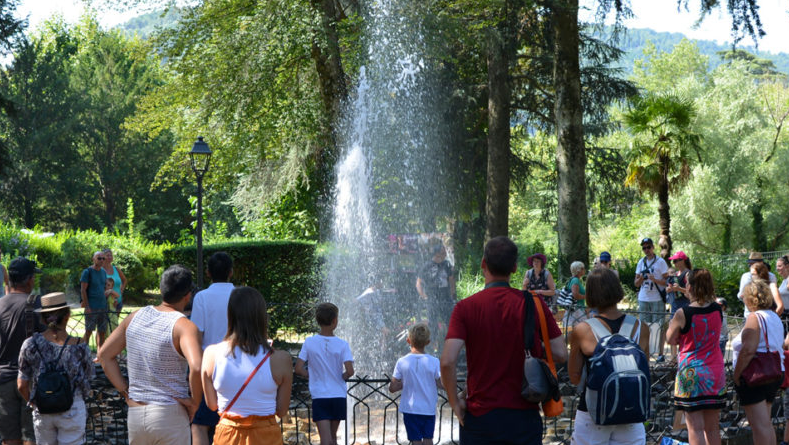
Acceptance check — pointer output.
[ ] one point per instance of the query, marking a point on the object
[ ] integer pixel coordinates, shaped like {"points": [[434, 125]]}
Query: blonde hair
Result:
{"points": [[419, 335], [576, 267], [757, 294]]}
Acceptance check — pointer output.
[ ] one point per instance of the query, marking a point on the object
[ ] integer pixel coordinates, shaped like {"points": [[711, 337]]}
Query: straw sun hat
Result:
{"points": [[53, 302]]}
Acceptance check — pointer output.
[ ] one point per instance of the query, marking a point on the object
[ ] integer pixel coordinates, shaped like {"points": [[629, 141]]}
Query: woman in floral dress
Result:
{"points": [[700, 386]]}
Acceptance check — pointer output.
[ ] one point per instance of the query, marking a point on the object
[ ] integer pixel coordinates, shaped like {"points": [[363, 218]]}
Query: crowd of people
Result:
{"points": [[215, 377]]}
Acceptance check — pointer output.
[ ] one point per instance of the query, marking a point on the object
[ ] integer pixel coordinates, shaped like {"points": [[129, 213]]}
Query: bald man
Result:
{"points": [[92, 284]]}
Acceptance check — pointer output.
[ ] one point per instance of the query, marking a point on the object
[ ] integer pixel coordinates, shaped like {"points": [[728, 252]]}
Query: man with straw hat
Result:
{"points": [[17, 323], [745, 279]]}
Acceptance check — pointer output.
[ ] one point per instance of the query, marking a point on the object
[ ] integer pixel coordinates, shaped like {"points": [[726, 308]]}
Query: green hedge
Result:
{"points": [[52, 280], [287, 273]]}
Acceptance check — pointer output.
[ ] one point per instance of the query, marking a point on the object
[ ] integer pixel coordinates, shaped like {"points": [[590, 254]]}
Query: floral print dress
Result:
{"points": [[701, 381]]}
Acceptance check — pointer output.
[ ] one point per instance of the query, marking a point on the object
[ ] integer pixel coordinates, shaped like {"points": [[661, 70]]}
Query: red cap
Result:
{"points": [[680, 255]]}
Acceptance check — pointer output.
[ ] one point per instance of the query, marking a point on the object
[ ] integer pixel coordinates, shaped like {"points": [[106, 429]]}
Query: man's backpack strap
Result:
{"points": [[598, 329], [528, 321]]}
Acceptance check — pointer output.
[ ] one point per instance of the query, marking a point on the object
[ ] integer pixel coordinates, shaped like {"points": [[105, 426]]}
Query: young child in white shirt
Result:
{"points": [[418, 375], [327, 362]]}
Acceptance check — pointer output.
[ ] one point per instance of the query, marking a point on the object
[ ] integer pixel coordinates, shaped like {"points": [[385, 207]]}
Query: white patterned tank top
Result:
{"points": [[157, 372]]}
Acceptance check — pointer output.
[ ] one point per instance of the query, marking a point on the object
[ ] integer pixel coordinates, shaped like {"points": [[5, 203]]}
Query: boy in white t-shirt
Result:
{"points": [[418, 375], [326, 355]]}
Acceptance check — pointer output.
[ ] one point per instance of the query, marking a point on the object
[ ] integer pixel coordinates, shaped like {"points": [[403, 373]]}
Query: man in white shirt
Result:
{"points": [[754, 257], [209, 314], [651, 273]]}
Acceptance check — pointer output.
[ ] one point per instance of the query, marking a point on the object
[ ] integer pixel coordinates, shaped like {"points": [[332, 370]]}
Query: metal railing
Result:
{"points": [[374, 412]]}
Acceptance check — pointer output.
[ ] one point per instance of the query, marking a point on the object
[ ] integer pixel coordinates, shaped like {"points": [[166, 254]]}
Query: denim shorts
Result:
{"points": [[329, 409]]}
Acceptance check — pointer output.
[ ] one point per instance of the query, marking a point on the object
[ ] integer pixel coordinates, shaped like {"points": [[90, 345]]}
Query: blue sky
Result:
{"points": [[660, 15]]}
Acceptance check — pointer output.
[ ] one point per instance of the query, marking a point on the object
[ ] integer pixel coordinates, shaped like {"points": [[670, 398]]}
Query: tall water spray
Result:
{"points": [[392, 143]]}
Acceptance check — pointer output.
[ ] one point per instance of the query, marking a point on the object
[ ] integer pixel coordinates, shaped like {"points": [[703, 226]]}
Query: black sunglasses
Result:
{"points": [[647, 247]]}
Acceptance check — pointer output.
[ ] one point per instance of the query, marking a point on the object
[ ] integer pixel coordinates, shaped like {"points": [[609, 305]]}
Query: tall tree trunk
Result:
{"points": [[498, 173], [572, 221], [331, 79], [664, 215], [757, 223], [726, 242]]}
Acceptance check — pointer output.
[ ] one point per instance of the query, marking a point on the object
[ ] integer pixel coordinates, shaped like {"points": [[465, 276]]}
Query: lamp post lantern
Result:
{"points": [[200, 157]]}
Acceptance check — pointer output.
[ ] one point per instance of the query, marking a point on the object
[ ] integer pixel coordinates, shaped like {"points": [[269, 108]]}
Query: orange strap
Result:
{"points": [[544, 331]]}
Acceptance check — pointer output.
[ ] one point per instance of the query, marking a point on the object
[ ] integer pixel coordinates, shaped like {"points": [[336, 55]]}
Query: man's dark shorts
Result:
{"points": [[96, 317], [502, 426], [16, 418], [205, 416]]}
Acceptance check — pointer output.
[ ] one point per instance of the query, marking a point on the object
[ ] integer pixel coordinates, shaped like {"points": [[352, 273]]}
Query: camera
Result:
{"points": [[645, 275]]}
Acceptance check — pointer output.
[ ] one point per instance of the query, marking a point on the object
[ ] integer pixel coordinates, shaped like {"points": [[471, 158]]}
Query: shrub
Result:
{"points": [[53, 280], [285, 272], [140, 260]]}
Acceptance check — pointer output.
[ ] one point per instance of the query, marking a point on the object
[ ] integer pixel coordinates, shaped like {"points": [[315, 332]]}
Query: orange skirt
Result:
{"points": [[250, 430]]}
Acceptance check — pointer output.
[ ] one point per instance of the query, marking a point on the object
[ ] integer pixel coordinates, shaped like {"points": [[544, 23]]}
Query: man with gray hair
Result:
{"points": [[92, 284]]}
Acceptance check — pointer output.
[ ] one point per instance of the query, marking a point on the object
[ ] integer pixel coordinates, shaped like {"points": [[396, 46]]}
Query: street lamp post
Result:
{"points": [[200, 157]]}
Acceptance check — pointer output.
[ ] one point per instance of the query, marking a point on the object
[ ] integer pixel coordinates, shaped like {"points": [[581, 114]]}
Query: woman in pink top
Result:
{"points": [[227, 365]]}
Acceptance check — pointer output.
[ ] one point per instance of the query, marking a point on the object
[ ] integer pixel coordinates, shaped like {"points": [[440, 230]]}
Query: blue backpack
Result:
{"points": [[617, 383]]}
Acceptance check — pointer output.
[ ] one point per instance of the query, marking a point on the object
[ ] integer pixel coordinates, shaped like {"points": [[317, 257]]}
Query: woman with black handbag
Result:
{"points": [[758, 365]]}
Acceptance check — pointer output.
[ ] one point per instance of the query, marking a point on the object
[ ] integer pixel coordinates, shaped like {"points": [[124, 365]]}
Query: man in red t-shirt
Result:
{"points": [[490, 325]]}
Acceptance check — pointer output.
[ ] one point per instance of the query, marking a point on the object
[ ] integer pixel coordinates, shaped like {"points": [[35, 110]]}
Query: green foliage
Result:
{"points": [[141, 261], [287, 273], [53, 280]]}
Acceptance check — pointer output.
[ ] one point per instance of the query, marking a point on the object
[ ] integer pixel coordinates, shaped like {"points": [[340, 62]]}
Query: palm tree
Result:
{"points": [[662, 151]]}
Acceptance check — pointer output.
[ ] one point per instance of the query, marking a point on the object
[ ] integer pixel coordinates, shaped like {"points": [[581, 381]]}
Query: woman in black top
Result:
{"points": [[538, 280], [603, 292]]}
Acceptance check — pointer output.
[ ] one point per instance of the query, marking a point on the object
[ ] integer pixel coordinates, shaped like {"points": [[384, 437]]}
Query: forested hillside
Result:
{"points": [[635, 40]]}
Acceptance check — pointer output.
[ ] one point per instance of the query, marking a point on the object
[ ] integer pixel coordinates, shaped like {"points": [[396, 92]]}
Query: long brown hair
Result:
{"points": [[247, 321]]}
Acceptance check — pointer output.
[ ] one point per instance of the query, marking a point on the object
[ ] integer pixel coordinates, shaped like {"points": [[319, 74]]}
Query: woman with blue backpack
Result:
{"points": [[615, 400], [700, 385]]}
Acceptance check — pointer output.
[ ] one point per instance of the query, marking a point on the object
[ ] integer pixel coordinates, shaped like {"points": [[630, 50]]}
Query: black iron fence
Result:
{"points": [[374, 412]]}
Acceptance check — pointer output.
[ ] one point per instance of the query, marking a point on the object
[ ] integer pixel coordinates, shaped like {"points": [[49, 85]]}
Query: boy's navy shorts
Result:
{"points": [[329, 409], [419, 426]]}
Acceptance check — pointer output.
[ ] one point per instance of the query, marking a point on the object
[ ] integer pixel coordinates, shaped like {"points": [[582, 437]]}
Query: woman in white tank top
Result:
{"points": [[227, 365]]}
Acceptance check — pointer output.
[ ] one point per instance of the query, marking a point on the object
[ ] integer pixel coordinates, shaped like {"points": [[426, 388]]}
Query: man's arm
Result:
{"points": [[744, 280], [190, 348], [420, 288], [449, 360], [83, 291], [109, 352], [282, 371], [123, 279], [558, 350]]}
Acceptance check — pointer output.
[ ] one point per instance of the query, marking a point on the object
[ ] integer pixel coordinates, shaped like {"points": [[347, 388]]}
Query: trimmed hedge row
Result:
{"points": [[287, 273]]}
